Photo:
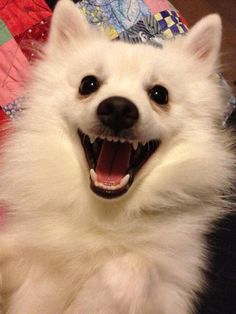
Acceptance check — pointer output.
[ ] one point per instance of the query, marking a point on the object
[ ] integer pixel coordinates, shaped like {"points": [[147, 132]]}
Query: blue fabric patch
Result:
{"points": [[120, 14], [146, 30], [13, 108], [164, 14]]}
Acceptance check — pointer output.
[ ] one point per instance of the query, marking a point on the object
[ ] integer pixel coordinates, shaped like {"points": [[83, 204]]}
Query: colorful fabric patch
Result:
{"points": [[28, 41], [118, 15], [2, 121], [3, 130], [13, 108], [170, 23], [110, 31], [20, 15], [147, 30], [158, 6], [13, 66], [5, 35]]}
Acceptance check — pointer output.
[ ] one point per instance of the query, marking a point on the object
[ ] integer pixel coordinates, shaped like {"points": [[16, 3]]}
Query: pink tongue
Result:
{"points": [[113, 162]]}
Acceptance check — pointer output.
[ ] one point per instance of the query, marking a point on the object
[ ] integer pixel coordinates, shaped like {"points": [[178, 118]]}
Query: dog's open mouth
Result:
{"points": [[113, 163]]}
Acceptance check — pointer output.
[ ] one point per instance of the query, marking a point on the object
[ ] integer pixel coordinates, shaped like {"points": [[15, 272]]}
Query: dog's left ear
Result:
{"points": [[68, 24], [204, 39]]}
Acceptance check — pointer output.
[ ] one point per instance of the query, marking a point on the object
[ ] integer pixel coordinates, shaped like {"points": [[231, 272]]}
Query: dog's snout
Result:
{"points": [[117, 113]]}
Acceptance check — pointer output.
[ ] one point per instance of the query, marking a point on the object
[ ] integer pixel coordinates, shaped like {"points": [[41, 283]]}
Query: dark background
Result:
{"points": [[220, 296], [193, 10]]}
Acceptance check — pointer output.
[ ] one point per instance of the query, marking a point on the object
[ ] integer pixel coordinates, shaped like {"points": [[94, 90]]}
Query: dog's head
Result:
{"points": [[132, 121]]}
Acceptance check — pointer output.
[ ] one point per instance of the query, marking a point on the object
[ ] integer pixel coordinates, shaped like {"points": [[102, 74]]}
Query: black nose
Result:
{"points": [[117, 113]]}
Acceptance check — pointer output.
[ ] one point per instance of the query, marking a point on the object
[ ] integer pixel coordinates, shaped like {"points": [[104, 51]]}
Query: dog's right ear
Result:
{"points": [[68, 24]]}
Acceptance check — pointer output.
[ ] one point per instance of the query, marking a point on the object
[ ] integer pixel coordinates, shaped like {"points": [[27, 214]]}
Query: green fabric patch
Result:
{"points": [[5, 34]]}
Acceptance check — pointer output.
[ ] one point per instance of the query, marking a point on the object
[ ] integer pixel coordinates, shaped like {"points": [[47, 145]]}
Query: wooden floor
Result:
{"points": [[194, 10]]}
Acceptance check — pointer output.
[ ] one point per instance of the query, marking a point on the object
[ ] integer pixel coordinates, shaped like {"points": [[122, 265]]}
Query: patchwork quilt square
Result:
{"points": [[170, 23]]}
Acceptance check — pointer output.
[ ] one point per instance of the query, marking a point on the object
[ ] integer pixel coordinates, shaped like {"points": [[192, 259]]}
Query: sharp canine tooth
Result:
{"points": [[92, 139], [124, 180], [93, 175], [135, 145]]}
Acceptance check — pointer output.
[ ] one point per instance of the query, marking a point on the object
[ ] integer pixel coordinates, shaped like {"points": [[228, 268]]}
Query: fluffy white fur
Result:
{"points": [[65, 250]]}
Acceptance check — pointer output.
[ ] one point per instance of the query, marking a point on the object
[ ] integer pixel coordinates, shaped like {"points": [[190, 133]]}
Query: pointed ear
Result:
{"points": [[204, 39], [68, 23]]}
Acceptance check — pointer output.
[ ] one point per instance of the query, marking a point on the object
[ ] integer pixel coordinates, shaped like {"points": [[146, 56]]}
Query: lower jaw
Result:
{"points": [[110, 194]]}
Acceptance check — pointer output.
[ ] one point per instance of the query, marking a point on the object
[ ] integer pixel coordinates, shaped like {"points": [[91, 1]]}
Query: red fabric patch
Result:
{"points": [[2, 116], [30, 40], [3, 119], [13, 67], [20, 15], [158, 6]]}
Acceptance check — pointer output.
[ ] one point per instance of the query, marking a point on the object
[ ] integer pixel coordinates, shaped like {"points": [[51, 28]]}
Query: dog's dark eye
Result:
{"points": [[159, 94], [88, 85]]}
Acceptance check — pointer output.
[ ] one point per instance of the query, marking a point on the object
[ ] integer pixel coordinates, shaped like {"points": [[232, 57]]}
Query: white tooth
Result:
{"points": [[92, 139], [135, 145], [124, 180], [144, 143], [93, 175], [109, 138], [122, 140]]}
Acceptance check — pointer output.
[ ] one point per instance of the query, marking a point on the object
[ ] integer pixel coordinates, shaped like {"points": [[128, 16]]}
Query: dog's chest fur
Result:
{"points": [[151, 256]]}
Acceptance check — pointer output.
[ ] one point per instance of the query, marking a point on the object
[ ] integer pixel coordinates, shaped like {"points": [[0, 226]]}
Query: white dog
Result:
{"points": [[114, 173]]}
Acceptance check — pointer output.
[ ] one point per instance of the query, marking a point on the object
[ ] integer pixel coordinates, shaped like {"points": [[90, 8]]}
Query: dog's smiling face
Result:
{"points": [[112, 124], [133, 108]]}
